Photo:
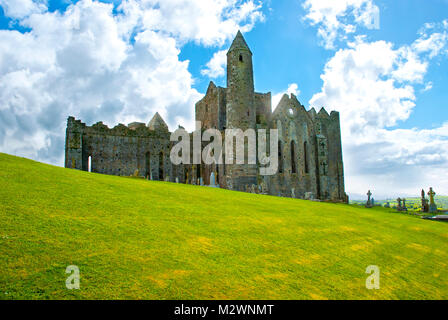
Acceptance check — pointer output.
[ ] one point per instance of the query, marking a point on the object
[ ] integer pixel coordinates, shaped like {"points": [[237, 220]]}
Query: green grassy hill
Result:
{"points": [[139, 239]]}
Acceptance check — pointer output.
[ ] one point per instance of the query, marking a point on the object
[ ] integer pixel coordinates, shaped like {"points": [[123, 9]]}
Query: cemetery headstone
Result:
{"points": [[369, 202], [404, 208], [432, 204], [399, 204]]}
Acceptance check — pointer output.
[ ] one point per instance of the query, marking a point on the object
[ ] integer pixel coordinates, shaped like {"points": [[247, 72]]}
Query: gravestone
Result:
{"points": [[252, 190], [264, 187], [369, 203], [373, 202], [309, 196], [432, 204], [425, 204], [212, 180], [177, 180], [201, 181], [293, 195], [399, 204], [403, 208], [387, 205]]}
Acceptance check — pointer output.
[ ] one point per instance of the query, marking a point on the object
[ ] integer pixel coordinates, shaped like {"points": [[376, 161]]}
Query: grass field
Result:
{"points": [[138, 239]]}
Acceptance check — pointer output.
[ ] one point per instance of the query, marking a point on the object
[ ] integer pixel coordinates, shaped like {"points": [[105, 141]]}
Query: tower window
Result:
{"points": [[241, 58]]}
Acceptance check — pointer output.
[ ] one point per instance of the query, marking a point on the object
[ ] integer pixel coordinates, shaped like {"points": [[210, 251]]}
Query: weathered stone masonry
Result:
{"points": [[310, 153]]}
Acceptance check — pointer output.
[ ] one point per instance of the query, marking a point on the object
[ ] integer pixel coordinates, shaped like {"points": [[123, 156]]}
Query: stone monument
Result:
{"points": [[432, 204], [309, 196], [399, 204], [369, 203], [264, 187], [212, 180], [253, 189], [425, 205], [403, 208]]}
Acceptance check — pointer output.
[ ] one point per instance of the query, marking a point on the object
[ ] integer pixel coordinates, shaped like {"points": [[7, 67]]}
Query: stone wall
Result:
{"points": [[118, 151]]}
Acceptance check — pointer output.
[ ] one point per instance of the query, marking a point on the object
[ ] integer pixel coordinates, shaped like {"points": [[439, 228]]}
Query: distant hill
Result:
{"points": [[139, 239]]}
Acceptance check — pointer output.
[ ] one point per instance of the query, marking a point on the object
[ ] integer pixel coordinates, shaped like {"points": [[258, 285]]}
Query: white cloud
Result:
{"points": [[100, 64], [292, 88], [337, 19], [205, 22], [372, 85], [428, 86], [216, 66], [19, 9], [433, 39]]}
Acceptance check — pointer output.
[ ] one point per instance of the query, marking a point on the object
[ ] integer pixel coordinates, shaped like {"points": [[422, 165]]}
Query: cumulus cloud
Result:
{"points": [[292, 88], [215, 68], [98, 62], [338, 19], [205, 22], [433, 39], [372, 85], [18, 9]]}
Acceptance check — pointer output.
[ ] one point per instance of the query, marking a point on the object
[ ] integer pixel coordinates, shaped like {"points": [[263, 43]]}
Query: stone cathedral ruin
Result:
{"points": [[309, 148]]}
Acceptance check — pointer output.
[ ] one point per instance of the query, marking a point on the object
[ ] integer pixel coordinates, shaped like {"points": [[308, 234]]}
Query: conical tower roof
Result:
{"points": [[239, 43], [157, 123]]}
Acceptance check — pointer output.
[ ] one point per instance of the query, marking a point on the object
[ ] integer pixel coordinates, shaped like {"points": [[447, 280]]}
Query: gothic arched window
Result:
{"points": [[305, 152], [293, 157], [148, 165], [280, 157], [161, 161]]}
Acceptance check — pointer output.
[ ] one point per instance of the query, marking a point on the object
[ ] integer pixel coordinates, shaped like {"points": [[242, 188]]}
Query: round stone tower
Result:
{"points": [[240, 109], [240, 106]]}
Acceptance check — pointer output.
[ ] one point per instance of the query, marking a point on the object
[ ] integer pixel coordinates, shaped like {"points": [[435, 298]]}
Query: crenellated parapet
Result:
{"points": [[132, 130]]}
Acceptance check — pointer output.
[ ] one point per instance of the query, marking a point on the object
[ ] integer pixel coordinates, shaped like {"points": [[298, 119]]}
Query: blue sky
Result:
{"points": [[382, 64], [286, 50]]}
